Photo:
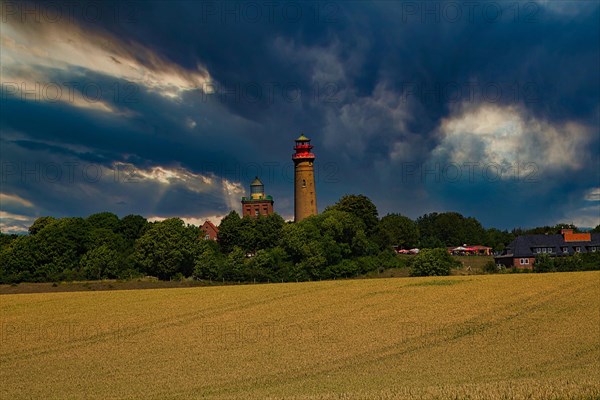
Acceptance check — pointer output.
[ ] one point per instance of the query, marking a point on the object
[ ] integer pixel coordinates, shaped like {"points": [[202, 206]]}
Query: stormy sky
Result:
{"points": [[171, 108]]}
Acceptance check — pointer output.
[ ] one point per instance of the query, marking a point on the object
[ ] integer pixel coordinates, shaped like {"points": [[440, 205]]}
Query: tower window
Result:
{"points": [[303, 182]]}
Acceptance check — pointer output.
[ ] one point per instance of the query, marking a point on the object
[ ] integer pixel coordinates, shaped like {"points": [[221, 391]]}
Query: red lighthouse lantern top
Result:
{"points": [[303, 149]]}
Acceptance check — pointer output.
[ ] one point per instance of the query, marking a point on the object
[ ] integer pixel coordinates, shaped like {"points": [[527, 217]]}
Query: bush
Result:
{"points": [[433, 262], [590, 261], [544, 263], [490, 267]]}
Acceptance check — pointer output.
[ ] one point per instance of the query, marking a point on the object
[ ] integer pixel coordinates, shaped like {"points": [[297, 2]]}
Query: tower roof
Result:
{"points": [[302, 138], [256, 182]]}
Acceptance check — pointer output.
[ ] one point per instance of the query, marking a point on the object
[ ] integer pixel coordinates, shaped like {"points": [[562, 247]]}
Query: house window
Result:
{"points": [[207, 237], [538, 250], [524, 261], [594, 249], [549, 249], [565, 249], [256, 212], [578, 249], [543, 249]]}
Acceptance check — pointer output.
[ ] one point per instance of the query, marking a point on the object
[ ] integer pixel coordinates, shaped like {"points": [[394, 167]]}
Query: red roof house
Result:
{"points": [[210, 230]]}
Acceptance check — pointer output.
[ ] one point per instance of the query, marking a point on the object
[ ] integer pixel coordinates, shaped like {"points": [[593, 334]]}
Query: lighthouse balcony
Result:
{"points": [[264, 198], [303, 156]]}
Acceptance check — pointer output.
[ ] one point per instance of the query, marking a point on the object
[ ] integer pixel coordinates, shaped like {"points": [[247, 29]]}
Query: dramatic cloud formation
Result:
{"points": [[504, 136], [34, 49], [171, 108]]}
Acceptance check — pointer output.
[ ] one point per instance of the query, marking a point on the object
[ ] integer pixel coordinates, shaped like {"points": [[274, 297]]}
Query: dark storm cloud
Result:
{"points": [[370, 83]]}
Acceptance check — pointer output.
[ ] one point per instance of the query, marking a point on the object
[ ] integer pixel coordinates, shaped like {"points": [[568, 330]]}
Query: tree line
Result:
{"points": [[346, 240]]}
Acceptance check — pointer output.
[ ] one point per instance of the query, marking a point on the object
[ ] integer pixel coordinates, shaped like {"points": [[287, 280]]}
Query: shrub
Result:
{"points": [[490, 267], [544, 263], [590, 261], [433, 262]]}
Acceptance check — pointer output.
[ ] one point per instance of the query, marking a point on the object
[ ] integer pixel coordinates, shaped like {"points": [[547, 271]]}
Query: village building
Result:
{"points": [[209, 231], [521, 252]]}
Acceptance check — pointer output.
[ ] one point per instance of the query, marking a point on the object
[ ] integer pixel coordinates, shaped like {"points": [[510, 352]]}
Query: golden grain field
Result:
{"points": [[514, 336]]}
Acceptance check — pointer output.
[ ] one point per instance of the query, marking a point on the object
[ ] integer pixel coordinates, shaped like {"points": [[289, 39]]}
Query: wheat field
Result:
{"points": [[519, 336]]}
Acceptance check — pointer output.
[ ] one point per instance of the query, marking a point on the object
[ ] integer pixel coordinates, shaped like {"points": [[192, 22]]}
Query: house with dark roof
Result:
{"points": [[210, 231], [521, 252]]}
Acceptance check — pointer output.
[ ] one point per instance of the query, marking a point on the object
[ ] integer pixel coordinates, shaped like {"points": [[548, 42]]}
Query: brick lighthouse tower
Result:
{"points": [[305, 195]]}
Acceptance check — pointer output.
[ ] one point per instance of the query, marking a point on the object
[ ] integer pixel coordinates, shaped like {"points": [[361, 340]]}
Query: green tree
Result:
{"points": [[307, 247], [105, 220], [361, 245], [431, 242], [235, 265], [396, 229], [249, 233], [544, 230], [450, 228], [295, 237], [229, 231], [105, 236], [360, 206], [40, 223], [132, 227], [101, 262], [268, 231], [168, 248], [560, 226], [18, 260], [247, 238], [497, 239], [262, 266], [341, 226], [209, 263], [432, 262], [6, 239], [59, 246]]}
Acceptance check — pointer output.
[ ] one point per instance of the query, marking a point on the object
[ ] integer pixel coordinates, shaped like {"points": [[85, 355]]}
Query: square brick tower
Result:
{"points": [[258, 203]]}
